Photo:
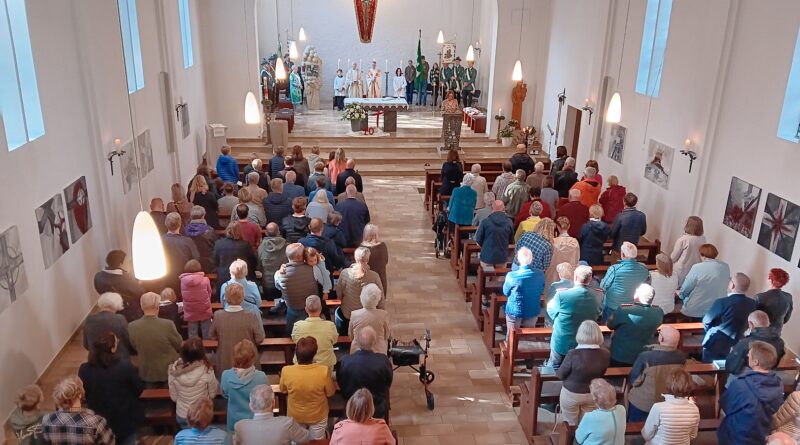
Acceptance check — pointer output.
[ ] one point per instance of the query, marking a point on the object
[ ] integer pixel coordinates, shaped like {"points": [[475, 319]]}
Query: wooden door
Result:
{"points": [[572, 130]]}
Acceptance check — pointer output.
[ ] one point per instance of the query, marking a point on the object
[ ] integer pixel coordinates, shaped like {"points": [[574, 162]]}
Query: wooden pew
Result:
{"points": [[460, 235], [566, 432], [510, 350]]}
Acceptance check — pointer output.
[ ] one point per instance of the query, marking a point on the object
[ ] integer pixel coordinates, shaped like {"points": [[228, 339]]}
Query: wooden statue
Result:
{"points": [[517, 97]]}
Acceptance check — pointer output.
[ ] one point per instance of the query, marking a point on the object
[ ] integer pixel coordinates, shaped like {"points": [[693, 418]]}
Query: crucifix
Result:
{"points": [[562, 97]]}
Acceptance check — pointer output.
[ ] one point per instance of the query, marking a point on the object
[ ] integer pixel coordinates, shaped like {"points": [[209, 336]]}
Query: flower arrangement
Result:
{"points": [[354, 112], [513, 123], [507, 131]]}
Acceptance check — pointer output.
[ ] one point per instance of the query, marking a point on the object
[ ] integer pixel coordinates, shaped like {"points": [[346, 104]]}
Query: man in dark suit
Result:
{"points": [[355, 215], [350, 171], [334, 258], [726, 321], [367, 369]]}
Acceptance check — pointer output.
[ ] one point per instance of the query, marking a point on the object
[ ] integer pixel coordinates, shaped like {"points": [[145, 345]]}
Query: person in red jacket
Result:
{"points": [[525, 210], [575, 212], [589, 187], [611, 199]]}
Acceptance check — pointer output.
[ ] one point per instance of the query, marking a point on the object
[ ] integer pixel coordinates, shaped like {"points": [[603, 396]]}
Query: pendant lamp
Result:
{"points": [[470, 54], [440, 39], [301, 35], [251, 114], [280, 70], [614, 110], [516, 75], [149, 262], [293, 50]]}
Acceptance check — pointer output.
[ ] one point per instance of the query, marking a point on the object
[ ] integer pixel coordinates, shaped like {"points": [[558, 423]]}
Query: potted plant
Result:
{"points": [[506, 135], [357, 116]]}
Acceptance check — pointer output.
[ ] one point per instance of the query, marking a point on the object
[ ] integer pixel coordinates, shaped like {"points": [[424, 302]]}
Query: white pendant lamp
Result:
{"points": [[614, 111], [293, 50], [149, 262], [516, 75], [470, 54], [251, 114], [280, 70], [440, 39], [301, 35]]}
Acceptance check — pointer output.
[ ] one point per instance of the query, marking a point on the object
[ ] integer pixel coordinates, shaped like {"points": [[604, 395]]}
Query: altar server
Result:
{"points": [[339, 90], [398, 84]]}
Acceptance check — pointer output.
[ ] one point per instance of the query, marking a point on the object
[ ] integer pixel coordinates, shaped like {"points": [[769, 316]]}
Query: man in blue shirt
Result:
{"points": [[622, 279], [523, 287], [227, 167], [629, 225], [726, 321]]}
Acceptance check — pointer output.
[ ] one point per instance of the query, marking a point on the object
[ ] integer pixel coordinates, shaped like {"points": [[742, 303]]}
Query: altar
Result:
{"points": [[387, 106]]}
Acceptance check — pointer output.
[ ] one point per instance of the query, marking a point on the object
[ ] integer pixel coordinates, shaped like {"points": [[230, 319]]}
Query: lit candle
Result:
{"points": [[687, 143], [586, 102], [499, 111]]}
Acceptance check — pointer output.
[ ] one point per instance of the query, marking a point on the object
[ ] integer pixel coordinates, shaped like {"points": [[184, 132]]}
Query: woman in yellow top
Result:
{"points": [[309, 385], [529, 224]]}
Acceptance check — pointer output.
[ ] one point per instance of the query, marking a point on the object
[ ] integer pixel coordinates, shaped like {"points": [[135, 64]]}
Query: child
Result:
{"points": [[196, 292], [321, 274], [168, 309], [26, 420]]}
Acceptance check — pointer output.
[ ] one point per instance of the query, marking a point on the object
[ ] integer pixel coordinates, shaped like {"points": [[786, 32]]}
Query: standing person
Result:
{"points": [[461, 206], [360, 425], [295, 88], [706, 282], [370, 315], [634, 326], [379, 253], [350, 285], [265, 428], [410, 75], [322, 331], [71, 424], [349, 172], [276, 163], [446, 78], [271, 255], [776, 302], [178, 249], [523, 287], [549, 194], [540, 242], [367, 369], [566, 178], [116, 279], [196, 293], [469, 74], [589, 187], [665, 282], [398, 84], [612, 199], [374, 79], [536, 179], [339, 90], [752, 399], [179, 204], [156, 341], [568, 309], [558, 163], [237, 383], [198, 418], [452, 173], [105, 320], [575, 212], [337, 165], [355, 216], [229, 249], [622, 280], [521, 160], [26, 420], [529, 224], [296, 282], [191, 378], [516, 194], [227, 166], [308, 385], [435, 80], [456, 79], [422, 94], [301, 167], [606, 424], [565, 250], [588, 361], [204, 237], [479, 185], [113, 388], [686, 252], [725, 323], [675, 420], [629, 225], [758, 329], [199, 195], [593, 236], [354, 82], [233, 325], [494, 235]]}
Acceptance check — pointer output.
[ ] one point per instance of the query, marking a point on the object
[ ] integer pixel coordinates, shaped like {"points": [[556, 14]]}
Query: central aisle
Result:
{"points": [[471, 407]]}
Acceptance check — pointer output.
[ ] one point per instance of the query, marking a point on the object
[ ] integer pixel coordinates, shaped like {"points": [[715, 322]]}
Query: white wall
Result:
{"points": [[83, 93]]}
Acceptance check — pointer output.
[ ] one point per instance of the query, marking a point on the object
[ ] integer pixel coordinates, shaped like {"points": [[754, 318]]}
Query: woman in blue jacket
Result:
{"points": [[523, 287], [462, 202], [593, 235]]}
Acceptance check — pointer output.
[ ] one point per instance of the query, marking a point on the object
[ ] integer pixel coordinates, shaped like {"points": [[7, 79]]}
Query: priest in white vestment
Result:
{"points": [[398, 84], [374, 81], [354, 83]]}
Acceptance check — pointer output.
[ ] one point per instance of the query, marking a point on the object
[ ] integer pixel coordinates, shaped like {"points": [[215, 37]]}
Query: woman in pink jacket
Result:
{"points": [[196, 293], [360, 427]]}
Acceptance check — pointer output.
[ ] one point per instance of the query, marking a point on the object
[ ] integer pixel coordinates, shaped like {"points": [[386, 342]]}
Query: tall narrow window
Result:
{"points": [[789, 126], [186, 32], [131, 46], [19, 92], [654, 44]]}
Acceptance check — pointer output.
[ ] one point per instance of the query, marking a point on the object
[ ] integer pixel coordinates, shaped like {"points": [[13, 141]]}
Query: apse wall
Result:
{"points": [[724, 77], [79, 68]]}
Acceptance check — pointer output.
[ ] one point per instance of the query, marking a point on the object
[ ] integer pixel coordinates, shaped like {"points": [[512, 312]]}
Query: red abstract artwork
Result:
{"points": [[365, 17]]}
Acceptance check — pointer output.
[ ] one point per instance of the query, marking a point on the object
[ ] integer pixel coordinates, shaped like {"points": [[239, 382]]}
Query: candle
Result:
{"points": [[401, 63], [499, 111], [586, 102], [348, 63], [359, 64]]}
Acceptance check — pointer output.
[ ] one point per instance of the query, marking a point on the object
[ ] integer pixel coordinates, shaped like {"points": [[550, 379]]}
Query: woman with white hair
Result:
{"points": [[566, 178], [483, 213], [351, 281], [252, 297], [588, 361], [107, 319], [200, 195], [565, 250], [319, 207], [378, 253], [462, 202], [606, 424], [370, 315], [480, 186]]}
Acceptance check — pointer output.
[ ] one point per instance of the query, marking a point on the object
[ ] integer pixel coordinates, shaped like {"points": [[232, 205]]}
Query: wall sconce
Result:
{"points": [[588, 108], [116, 151], [477, 47], [687, 151]]}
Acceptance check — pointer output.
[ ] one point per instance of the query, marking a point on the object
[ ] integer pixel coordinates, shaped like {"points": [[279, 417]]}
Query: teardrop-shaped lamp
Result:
{"points": [[149, 262], [440, 39], [293, 50], [614, 110], [301, 35], [516, 75], [470, 54], [280, 69], [251, 114]]}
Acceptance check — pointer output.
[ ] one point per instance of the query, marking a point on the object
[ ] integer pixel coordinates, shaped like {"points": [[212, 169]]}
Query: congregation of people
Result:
{"points": [[575, 266], [276, 232]]}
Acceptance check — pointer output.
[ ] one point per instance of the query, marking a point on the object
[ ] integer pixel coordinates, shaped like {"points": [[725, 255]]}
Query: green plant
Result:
{"points": [[507, 131], [354, 112]]}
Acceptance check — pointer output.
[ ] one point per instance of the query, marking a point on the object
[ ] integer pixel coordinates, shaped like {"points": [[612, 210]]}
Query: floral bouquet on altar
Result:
{"points": [[354, 112]]}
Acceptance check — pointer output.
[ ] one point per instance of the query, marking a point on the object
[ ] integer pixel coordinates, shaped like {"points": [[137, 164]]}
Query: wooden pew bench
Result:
{"points": [[281, 344], [565, 433]]}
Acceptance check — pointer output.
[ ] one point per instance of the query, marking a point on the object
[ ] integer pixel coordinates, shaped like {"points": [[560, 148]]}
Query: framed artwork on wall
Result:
{"points": [[659, 163], [616, 148], [740, 211], [779, 226], [78, 214], [13, 280], [52, 224], [145, 152]]}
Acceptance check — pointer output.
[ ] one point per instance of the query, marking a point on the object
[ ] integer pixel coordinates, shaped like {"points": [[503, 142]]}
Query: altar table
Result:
{"points": [[388, 106]]}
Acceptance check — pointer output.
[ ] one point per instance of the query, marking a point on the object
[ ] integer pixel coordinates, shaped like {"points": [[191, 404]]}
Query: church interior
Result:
{"points": [[462, 227]]}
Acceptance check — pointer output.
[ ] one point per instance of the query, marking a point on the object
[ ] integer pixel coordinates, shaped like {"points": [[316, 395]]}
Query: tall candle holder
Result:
{"points": [[499, 118]]}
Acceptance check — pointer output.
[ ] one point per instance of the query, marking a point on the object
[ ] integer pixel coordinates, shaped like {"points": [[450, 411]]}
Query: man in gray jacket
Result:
{"points": [[296, 283], [264, 428]]}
